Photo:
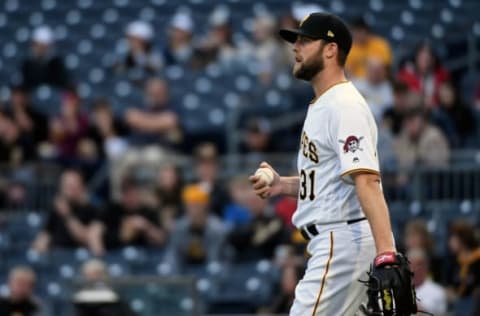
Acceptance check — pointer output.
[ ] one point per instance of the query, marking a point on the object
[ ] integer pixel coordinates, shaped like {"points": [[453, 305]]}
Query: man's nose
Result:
{"points": [[295, 47]]}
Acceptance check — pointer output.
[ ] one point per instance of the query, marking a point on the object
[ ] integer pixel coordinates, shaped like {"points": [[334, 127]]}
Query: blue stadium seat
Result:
{"points": [[63, 256], [119, 269], [73, 17], [110, 15], [97, 31]]}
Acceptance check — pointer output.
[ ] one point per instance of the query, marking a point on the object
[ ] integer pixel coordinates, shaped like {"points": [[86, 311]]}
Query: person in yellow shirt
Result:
{"points": [[366, 45]]}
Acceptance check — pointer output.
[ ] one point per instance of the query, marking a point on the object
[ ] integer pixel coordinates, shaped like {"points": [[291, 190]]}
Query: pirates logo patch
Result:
{"points": [[351, 144]]}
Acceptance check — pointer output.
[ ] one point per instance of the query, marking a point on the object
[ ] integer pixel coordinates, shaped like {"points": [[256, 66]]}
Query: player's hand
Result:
{"points": [[262, 188]]}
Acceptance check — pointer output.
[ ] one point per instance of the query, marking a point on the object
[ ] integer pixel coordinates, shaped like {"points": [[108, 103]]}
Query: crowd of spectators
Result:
{"points": [[204, 217], [420, 83], [419, 106], [184, 222]]}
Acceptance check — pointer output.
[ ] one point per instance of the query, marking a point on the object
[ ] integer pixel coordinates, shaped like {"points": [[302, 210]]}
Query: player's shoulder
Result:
{"points": [[345, 96]]}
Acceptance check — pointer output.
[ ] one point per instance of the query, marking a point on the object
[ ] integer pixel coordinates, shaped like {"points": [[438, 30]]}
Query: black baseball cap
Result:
{"points": [[320, 25]]}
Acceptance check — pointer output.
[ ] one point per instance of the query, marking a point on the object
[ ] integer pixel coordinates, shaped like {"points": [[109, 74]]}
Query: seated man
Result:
{"points": [[43, 65], [198, 237], [464, 245], [97, 297], [258, 238], [157, 123], [32, 125], [68, 223], [128, 223], [20, 300], [207, 166]]}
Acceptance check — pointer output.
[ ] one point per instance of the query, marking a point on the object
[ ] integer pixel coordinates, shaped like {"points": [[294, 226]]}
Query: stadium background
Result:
{"points": [[177, 127]]}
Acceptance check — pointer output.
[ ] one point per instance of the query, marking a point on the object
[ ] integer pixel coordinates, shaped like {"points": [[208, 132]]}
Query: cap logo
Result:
{"points": [[330, 34], [304, 19]]}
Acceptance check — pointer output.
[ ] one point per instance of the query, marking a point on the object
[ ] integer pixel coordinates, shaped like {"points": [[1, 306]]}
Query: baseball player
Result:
{"points": [[341, 208]]}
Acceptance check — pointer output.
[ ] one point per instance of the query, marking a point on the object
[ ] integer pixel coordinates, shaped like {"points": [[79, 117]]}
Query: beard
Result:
{"points": [[308, 69]]}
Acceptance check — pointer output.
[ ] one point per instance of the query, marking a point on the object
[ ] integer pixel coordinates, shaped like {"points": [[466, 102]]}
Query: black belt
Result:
{"points": [[311, 230]]}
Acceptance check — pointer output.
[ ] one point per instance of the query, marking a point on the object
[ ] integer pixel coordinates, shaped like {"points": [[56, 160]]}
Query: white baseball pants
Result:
{"points": [[341, 255]]}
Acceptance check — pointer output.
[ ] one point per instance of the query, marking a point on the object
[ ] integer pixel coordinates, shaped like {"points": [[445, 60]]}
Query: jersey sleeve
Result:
{"points": [[355, 143]]}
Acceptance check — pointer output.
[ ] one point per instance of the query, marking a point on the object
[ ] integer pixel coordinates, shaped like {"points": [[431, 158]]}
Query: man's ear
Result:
{"points": [[331, 50]]}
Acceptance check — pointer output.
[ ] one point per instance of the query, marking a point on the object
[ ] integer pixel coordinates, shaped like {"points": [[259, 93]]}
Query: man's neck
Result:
{"points": [[327, 78]]}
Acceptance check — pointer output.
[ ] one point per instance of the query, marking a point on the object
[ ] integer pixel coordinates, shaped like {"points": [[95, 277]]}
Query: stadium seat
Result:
{"points": [[110, 15], [119, 269], [97, 31], [73, 17]]}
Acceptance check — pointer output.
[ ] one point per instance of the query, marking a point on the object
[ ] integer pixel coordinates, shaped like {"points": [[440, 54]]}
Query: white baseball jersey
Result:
{"points": [[339, 137]]}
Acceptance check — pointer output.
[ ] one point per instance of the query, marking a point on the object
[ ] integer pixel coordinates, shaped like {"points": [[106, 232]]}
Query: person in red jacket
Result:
{"points": [[424, 74]]}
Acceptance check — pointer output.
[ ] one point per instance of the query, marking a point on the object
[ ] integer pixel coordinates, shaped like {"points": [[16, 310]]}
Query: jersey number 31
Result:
{"points": [[307, 185]]}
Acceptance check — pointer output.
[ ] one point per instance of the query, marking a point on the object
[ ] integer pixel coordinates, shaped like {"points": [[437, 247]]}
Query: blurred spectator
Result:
{"points": [[157, 123], [257, 140], [68, 223], [127, 223], [424, 74], [431, 296], [20, 300], [417, 236], [421, 143], [69, 128], [236, 213], [265, 50], [284, 209], [10, 149], [453, 117], [207, 169], [217, 45], [366, 45], [465, 246], [179, 48], [106, 131], [141, 59], [14, 195], [96, 297], [476, 96], [376, 88], [32, 125], [402, 102], [258, 238], [198, 237], [44, 66], [94, 270], [282, 302], [168, 186], [287, 21]]}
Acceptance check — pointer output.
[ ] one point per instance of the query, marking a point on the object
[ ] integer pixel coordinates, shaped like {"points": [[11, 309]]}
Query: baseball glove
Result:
{"points": [[390, 288]]}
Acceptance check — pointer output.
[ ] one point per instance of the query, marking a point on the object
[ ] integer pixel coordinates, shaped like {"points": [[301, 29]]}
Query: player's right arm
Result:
{"points": [[280, 185]]}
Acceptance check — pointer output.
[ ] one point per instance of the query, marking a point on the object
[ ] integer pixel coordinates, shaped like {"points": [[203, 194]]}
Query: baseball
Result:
{"points": [[265, 174]]}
